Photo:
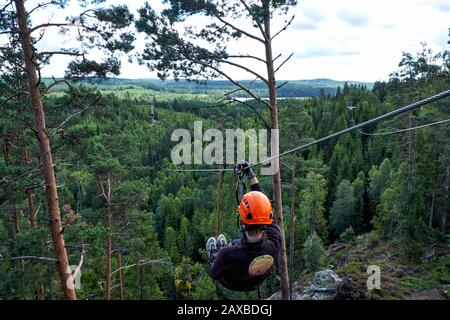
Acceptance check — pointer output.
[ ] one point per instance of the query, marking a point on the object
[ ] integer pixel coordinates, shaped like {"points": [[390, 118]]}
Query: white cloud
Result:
{"points": [[352, 18], [344, 40]]}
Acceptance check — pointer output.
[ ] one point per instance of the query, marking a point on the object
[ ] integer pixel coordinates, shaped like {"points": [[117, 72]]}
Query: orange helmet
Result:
{"points": [[255, 208]]}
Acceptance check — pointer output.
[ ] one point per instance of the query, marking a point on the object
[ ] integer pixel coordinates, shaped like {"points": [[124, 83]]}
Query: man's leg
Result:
{"points": [[221, 241], [211, 246]]}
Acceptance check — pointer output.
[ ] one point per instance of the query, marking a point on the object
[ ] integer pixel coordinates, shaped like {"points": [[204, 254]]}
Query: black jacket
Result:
{"points": [[231, 264]]}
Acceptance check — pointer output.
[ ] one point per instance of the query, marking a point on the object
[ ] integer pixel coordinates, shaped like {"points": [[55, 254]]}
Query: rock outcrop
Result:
{"points": [[325, 285]]}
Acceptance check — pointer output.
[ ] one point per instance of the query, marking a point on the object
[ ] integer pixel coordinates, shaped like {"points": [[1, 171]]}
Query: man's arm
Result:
{"points": [[254, 185]]}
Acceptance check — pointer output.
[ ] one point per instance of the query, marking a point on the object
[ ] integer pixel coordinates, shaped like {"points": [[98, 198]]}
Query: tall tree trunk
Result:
{"points": [[430, 221], [31, 209], [108, 254], [141, 282], [119, 267], [410, 140], [292, 222], [445, 208], [107, 198], [108, 269], [51, 290], [276, 179], [15, 218], [32, 217], [46, 153], [41, 293], [5, 151]]}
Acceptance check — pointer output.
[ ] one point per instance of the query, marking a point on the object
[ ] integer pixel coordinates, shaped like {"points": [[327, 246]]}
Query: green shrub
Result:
{"points": [[348, 234], [313, 252]]}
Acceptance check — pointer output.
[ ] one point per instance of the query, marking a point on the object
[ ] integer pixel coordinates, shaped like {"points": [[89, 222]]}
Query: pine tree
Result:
{"points": [[359, 193], [313, 252], [312, 206], [342, 209], [170, 244], [185, 244], [379, 179]]}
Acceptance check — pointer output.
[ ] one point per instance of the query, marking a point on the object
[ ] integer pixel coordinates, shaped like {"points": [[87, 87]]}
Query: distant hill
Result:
{"points": [[293, 88]]}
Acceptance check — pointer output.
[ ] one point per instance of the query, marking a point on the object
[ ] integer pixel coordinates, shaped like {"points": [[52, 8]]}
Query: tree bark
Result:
{"points": [[41, 293], [31, 209], [292, 233], [32, 218], [15, 218], [276, 179], [107, 197], [45, 150], [430, 221], [5, 151], [445, 208], [141, 282], [410, 140], [108, 268], [119, 266]]}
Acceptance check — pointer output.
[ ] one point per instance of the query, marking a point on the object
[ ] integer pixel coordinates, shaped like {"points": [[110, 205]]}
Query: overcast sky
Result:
{"points": [[358, 40]]}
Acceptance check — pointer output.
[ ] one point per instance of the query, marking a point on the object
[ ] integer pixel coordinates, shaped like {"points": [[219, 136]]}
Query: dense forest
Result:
{"points": [[292, 89], [137, 229]]}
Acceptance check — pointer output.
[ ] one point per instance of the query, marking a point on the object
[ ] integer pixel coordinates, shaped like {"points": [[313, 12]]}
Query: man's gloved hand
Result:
{"points": [[248, 171]]}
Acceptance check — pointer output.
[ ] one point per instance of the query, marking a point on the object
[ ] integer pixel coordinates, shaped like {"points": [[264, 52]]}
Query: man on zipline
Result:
{"points": [[243, 265]]}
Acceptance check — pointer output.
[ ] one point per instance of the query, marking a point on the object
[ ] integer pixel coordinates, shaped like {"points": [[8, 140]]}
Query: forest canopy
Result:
{"points": [[92, 160]]}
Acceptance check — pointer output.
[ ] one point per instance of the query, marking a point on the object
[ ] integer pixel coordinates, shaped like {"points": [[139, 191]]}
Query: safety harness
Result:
{"points": [[240, 191]]}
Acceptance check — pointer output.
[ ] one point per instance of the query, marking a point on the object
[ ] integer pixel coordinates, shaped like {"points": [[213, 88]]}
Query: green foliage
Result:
{"points": [[342, 210], [205, 289], [401, 213], [170, 244], [312, 206], [348, 234], [379, 179], [190, 282], [313, 252], [359, 197], [161, 219]]}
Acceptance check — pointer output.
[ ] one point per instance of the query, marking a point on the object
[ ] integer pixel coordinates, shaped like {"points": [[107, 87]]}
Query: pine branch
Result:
{"points": [[282, 85], [285, 60], [141, 263], [206, 65], [264, 34], [13, 62], [68, 53], [31, 258], [39, 6], [46, 25], [243, 68], [247, 56], [217, 15], [5, 7], [284, 28], [67, 120], [255, 110], [3, 104]]}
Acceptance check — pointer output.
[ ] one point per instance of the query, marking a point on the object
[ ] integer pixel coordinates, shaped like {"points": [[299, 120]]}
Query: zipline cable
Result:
{"points": [[407, 108], [405, 130], [404, 109]]}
